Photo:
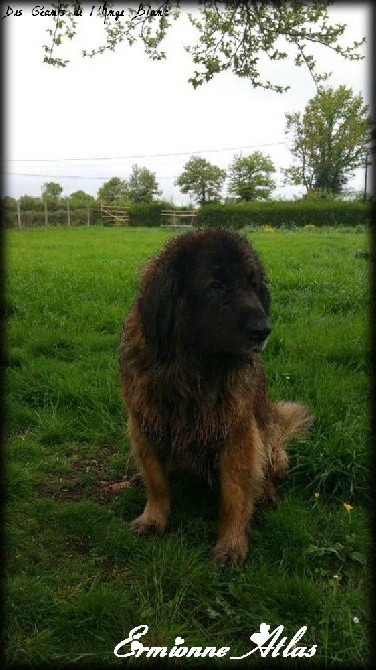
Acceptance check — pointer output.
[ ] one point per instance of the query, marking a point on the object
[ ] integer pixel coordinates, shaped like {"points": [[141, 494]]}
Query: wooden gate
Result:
{"points": [[114, 215], [178, 219]]}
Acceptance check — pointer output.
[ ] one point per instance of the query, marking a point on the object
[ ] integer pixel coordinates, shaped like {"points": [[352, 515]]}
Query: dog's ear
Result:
{"points": [[157, 306]]}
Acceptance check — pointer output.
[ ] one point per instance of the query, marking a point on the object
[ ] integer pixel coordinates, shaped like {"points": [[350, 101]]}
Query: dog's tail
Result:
{"points": [[294, 420]]}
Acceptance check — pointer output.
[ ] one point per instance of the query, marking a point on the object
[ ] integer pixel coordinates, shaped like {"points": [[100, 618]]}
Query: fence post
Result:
{"points": [[19, 215], [365, 177], [68, 214], [45, 214], [88, 214]]}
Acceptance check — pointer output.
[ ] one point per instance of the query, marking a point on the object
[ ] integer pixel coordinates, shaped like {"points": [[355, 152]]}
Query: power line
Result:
{"points": [[162, 155], [102, 177], [68, 176], [53, 176]]}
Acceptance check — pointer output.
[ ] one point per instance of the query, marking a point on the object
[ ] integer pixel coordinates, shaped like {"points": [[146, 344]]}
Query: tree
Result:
{"points": [[29, 203], [231, 36], [142, 185], [202, 180], [81, 199], [250, 177], [8, 208], [51, 191], [114, 191], [329, 140]]}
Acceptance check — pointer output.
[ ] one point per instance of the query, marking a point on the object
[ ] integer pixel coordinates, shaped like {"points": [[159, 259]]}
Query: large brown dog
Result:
{"points": [[194, 384]]}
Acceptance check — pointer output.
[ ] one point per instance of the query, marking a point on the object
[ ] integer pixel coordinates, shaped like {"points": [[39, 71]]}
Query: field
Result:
{"points": [[77, 580]]}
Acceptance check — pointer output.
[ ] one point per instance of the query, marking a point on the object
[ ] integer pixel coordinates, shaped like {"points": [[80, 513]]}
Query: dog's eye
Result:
{"points": [[216, 286]]}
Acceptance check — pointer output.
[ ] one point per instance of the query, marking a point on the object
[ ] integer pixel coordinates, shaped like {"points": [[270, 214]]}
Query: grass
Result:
{"points": [[77, 580]]}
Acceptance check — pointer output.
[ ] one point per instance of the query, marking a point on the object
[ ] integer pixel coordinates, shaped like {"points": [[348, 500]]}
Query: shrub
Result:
{"points": [[286, 213], [147, 213]]}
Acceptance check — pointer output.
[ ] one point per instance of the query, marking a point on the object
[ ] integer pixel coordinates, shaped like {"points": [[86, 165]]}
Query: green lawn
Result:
{"points": [[77, 580]]}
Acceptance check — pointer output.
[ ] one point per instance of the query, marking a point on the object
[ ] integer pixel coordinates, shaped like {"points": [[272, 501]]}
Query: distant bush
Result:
{"points": [[285, 213], [9, 212], [147, 213]]}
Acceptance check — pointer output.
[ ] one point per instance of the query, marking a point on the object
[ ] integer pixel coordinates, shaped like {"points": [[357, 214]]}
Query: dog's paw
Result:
{"points": [[144, 526], [270, 496], [225, 554]]}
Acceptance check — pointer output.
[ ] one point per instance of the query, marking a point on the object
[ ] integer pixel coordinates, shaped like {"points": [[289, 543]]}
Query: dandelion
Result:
{"points": [[348, 507]]}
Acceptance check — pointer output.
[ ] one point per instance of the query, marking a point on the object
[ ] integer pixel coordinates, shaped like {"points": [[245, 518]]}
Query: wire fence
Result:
{"points": [[68, 215], [19, 215]]}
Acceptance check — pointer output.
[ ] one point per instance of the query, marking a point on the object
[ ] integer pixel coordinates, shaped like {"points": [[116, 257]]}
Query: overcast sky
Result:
{"points": [[118, 109]]}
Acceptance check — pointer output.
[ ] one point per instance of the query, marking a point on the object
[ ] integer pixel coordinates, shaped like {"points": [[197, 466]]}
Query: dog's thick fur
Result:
{"points": [[194, 384]]}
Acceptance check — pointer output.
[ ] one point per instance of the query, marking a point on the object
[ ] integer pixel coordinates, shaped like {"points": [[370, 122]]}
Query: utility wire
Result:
{"points": [[60, 176], [114, 158], [69, 176], [105, 158]]}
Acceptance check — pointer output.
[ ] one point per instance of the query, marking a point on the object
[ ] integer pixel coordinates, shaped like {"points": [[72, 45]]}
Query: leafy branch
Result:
{"points": [[231, 35]]}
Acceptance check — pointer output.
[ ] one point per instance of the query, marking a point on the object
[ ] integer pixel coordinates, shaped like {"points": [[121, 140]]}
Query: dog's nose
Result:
{"points": [[259, 330]]}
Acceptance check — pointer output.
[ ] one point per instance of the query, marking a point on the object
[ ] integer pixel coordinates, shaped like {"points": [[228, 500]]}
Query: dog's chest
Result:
{"points": [[188, 440], [189, 433]]}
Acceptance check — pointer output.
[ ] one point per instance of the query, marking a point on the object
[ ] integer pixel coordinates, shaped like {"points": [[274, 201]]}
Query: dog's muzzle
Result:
{"points": [[260, 346], [259, 334]]}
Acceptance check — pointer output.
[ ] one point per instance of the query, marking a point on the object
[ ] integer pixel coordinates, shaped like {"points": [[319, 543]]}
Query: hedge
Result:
{"points": [[277, 214], [286, 213], [147, 213]]}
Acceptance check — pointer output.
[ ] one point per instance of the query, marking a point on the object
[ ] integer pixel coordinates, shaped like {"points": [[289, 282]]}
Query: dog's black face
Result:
{"points": [[210, 297], [225, 296]]}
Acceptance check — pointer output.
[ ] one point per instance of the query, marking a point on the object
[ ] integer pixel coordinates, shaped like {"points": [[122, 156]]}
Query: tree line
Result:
{"points": [[330, 139]]}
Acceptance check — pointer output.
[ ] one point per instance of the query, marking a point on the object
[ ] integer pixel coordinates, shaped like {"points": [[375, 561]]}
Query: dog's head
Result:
{"points": [[205, 294]]}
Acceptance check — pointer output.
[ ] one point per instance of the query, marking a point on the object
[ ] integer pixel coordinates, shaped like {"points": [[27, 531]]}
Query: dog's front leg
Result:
{"points": [[241, 479], [154, 516]]}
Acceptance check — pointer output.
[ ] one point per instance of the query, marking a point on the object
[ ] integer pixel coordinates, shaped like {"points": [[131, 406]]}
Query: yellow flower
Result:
{"points": [[347, 506], [317, 495]]}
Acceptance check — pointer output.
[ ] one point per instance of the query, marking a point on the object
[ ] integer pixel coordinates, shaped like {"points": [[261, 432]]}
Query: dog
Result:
{"points": [[193, 382]]}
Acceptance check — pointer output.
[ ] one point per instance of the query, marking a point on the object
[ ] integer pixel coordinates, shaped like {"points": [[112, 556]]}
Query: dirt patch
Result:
{"points": [[87, 479]]}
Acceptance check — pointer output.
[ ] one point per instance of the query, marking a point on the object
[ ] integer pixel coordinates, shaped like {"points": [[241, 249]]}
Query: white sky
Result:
{"points": [[122, 104]]}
